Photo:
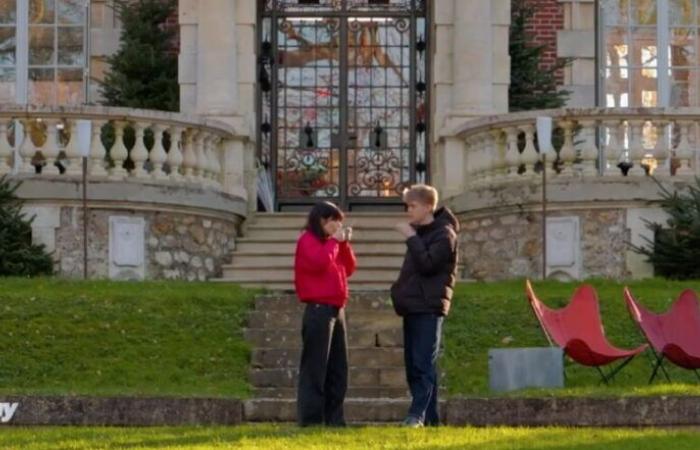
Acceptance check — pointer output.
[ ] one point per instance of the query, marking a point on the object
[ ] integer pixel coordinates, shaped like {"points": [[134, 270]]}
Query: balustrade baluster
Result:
{"points": [[636, 148], [118, 153], [175, 156], [589, 150], [5, 148], [529, 156], [684, 153], [98, 152], [27, 150], [158, 156]]}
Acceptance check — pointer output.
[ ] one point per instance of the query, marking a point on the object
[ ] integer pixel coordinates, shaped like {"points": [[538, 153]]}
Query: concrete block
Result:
{"points": [[519, 368]]}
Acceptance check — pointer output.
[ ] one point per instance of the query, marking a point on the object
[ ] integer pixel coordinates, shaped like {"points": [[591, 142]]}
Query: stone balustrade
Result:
{"points": [[604, 181], [589, 143], [127, 145]]}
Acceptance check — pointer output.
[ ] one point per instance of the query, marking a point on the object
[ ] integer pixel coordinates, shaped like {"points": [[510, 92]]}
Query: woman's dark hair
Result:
{"points": [[322, 210]]}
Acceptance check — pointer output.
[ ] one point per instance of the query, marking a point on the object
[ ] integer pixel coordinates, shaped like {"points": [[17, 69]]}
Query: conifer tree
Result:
{"points": [[531, 86], [143, 71], [675, 249], [18, 256]]}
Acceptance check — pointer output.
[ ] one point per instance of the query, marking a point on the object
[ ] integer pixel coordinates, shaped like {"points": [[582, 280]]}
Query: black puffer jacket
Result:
{"points": [[429, 268]]}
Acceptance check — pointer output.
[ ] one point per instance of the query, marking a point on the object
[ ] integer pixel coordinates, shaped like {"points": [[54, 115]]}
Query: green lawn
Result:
{"points": [[120, 338], [497, 315], [185, 339], [270, 437]]}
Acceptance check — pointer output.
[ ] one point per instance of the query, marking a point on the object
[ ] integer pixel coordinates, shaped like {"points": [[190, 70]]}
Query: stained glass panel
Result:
{"points": [[341, 99]]}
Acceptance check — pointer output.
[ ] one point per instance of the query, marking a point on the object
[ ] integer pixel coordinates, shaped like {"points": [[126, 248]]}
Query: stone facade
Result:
{"points": [[177, 246], [510, 245], [576, 40]]}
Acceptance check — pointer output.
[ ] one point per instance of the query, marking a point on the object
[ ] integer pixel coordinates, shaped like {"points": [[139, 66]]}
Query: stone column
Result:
{"points": [[233, 168], [246, 23], [472, 74], [217, 70], [577, 41], [187, 59], [472, 59], [452, 167], [105, 30]]}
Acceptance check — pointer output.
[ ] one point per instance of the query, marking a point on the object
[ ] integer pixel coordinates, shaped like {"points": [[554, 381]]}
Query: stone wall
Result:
{"points": [[510, 245], [177, 245]]}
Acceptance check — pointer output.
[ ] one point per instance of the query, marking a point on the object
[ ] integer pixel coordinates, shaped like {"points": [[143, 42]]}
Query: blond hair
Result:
{"points": [[422, 193]]}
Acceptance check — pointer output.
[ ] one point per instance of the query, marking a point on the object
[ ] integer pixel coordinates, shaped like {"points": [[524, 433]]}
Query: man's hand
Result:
{"points": [[406, 229]]}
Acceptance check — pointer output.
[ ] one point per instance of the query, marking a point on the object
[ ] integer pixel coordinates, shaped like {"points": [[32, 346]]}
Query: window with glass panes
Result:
{"points": [[649, 53], [8, 50], [42, 51]]}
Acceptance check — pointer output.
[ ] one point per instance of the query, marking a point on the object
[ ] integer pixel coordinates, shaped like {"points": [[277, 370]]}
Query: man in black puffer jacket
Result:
{"points": [[422, 296]]}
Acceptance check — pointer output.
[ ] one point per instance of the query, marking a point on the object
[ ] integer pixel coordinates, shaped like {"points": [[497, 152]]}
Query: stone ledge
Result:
{"points": [[564, 411], [563, 193], [132, 194], [122, 411], [575, 412]]}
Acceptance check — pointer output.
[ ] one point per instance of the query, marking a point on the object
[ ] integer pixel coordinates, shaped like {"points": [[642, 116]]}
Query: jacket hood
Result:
{"points": [[444, 216]]}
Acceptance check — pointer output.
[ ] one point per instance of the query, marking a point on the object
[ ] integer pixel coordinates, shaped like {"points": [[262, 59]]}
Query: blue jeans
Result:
{"points": [[421, 340]]}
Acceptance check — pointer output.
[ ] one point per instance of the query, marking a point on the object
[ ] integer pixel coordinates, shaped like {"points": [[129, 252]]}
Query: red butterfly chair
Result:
{"points": [[674, 335], [578, 330]]}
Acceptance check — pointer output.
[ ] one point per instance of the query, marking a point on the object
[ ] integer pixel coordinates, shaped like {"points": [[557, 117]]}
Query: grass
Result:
{"points": [[271, 437], [185, 339], [120, 338], [497, 315]]}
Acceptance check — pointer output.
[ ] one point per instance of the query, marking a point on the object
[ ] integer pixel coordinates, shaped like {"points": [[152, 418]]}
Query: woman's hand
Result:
{"points": [[331, 227], [339, 235]]}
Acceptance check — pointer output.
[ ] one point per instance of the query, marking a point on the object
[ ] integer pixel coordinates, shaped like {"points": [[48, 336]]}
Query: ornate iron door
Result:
{"points": [[342, 100]]}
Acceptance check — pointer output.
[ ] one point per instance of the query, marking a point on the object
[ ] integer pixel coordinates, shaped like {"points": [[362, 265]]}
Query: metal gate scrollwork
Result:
{"points": [[342, 99]]}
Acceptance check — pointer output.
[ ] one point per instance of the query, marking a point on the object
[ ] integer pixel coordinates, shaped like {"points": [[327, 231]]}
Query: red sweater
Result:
{"points": [[321, 270]]}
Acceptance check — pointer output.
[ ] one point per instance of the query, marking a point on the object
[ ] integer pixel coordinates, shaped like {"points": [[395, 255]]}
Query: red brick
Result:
{"points": [[543, 27]]}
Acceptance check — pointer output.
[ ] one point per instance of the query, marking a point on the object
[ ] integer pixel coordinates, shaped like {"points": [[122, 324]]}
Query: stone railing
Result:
{"points": [[589, 143], [124, 145]]}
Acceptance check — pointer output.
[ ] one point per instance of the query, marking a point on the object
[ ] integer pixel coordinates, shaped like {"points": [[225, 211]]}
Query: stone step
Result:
{"points": [[374, 321], [294, 220], [261, 260], [391, 377], [288, 287], [353, 392], [357, 302], [356, 410], [367, 247], [365, 357], [291, 337], [360, 233], [282, 274]]}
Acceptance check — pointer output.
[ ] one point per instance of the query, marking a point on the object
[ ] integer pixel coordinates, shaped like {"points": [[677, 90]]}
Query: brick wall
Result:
{"points": [[548, 19]]}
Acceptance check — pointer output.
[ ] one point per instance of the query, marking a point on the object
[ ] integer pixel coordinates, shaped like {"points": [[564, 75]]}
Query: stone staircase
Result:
{"points": [[264, 257], [377, 386]]}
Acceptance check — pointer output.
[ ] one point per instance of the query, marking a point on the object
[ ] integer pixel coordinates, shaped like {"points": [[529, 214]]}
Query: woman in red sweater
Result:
{"points": [[323, 262]]}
